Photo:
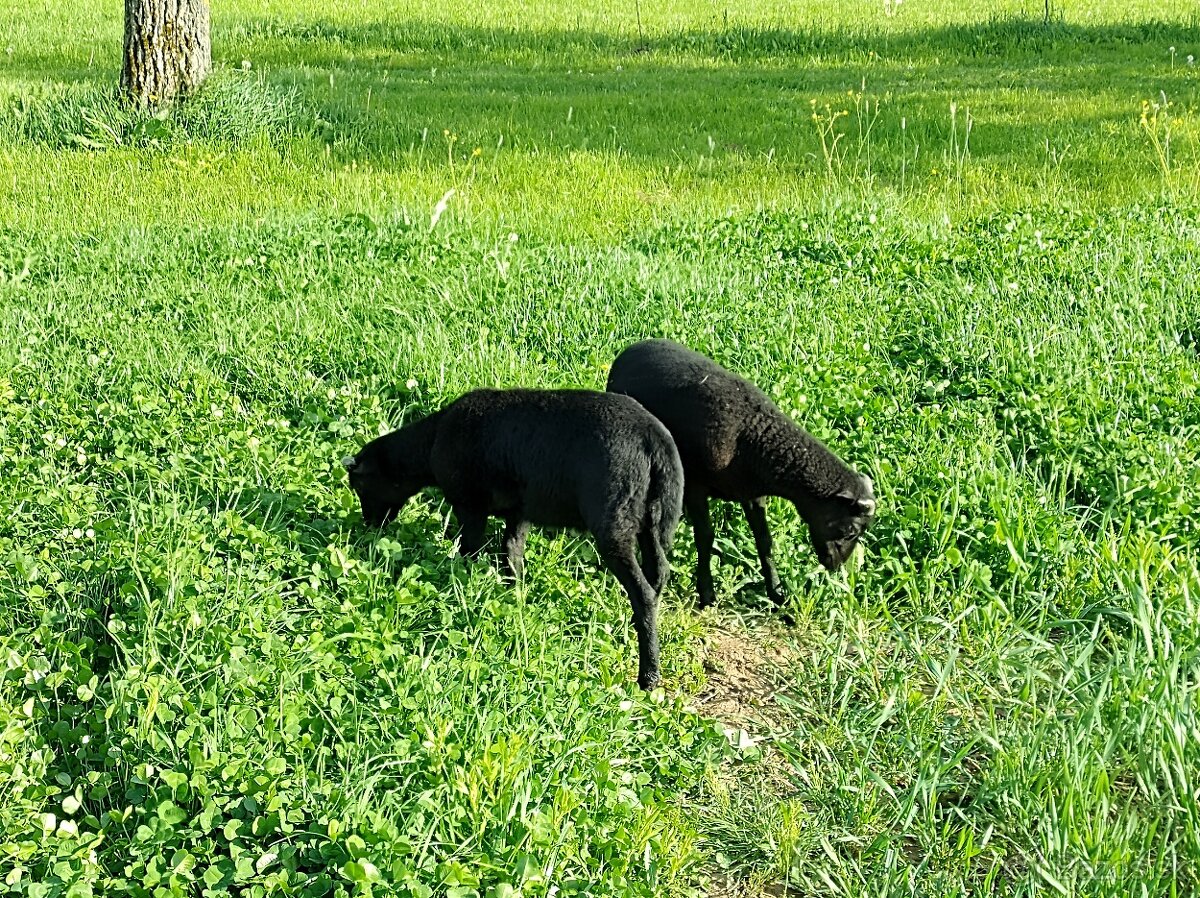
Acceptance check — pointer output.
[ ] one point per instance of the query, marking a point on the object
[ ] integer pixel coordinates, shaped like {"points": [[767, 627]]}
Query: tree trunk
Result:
{"points": [[167, 49]]}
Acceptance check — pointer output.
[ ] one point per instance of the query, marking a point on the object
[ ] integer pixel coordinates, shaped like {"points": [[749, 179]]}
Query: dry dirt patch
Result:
{"points": [[745, 671]]}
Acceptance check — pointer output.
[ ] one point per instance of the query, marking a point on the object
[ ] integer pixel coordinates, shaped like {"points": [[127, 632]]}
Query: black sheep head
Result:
{"points": [[836, 524], [383, 484]]}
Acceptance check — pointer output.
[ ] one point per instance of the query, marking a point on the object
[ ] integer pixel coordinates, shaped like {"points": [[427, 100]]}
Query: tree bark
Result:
{"points": [[168, 50]]}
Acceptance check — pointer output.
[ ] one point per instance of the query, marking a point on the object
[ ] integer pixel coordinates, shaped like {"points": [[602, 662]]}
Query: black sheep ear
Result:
{"points": [[860, 504], [349, 462]]}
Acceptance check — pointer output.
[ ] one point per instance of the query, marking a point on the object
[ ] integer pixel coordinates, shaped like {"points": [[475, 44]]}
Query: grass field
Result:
{"points": [[956, 241]]}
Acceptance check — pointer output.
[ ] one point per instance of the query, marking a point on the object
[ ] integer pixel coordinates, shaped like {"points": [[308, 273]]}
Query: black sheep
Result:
{"points": [[737, 445], [557, 458]]}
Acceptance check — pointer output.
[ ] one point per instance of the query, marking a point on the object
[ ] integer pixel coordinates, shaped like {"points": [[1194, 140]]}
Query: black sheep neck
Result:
{"points": [[413, 448], [804, 468]]}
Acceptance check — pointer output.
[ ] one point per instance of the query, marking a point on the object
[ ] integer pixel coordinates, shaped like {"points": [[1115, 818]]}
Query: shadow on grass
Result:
{"points": [[329, 42], [396, 89], [392, 89]]}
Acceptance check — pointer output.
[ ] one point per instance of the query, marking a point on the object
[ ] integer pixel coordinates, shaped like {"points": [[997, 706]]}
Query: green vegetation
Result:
{"points": [[976, 284]]}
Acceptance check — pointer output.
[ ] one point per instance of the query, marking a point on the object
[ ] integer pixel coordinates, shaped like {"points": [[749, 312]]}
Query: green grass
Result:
{"points": [[217, 681]]}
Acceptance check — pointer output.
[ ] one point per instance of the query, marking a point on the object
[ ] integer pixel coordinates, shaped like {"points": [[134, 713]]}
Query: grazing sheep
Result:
{"points": [[557, 458], [737, 445]]}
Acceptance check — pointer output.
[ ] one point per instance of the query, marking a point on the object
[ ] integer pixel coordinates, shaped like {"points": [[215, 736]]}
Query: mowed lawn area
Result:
{"points": [[956, 241]]}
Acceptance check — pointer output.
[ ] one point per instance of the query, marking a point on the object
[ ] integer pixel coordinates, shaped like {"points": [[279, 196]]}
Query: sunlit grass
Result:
{"points": [[569, 114]]}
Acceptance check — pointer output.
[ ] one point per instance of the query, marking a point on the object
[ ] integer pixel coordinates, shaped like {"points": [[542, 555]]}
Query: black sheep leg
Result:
{"points": [[756, 516], [472, 530], [622, 562], [515, 531], [696, 505]]}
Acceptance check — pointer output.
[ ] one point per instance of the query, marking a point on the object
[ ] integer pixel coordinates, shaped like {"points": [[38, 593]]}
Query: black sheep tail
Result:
{"points": [[664, 508]]}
